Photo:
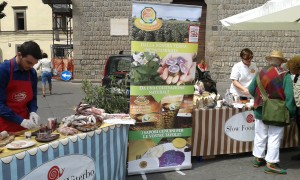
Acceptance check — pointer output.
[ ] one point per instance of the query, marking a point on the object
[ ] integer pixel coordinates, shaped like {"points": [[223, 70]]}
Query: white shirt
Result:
{"points": [[45, 64], [244, 75]]}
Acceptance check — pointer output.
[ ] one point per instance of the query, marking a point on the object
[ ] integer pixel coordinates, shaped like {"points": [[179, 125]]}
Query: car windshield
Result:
{"points": [[119, 64]]}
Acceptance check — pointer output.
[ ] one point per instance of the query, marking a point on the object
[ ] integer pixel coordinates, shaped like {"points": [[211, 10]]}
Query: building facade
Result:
{"points": [[30, 20], [93, 42]]}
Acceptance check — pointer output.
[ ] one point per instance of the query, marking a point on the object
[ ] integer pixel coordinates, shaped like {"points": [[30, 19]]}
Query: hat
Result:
{"points": [[276, 54]]}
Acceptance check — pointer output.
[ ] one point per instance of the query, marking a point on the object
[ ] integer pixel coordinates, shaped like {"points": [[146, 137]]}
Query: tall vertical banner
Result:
{"points": [[164, 47]]}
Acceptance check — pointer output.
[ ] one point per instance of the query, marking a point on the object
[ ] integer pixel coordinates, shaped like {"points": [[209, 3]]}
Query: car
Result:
{"points": [[116, 73]]}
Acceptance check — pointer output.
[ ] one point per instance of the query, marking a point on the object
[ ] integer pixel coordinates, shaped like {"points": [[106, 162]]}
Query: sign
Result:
{"points": [[240, 127], [164, 47], [67, 167], [66, 75]]}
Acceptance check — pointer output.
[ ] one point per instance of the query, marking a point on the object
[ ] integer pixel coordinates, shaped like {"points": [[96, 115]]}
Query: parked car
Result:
{"points": [[116, 73]]}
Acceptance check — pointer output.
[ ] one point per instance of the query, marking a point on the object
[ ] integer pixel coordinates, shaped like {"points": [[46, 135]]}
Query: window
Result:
{"points": [[20, 18], [60, 22]]}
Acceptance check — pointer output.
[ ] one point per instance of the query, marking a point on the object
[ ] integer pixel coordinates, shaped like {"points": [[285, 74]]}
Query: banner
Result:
{"points": [[164, 47]]}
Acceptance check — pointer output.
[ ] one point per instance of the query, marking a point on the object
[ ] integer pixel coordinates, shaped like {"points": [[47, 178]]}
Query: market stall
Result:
{"points": [[98, 154], [230, 130]]}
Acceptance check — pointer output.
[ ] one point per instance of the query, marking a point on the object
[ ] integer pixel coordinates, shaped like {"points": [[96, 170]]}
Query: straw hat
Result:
{"points": [[276, 54]]}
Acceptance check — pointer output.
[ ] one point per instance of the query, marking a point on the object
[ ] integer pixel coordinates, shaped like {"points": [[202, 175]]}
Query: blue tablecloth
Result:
{"points": [[100, 154]]}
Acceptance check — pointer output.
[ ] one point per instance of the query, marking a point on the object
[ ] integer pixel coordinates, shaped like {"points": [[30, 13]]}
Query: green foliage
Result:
{"points": [[144, 69], [2, 6], [112, 100]]}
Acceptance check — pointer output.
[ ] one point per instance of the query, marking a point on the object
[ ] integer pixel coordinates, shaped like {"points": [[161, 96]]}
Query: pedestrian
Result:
{"points": [[46, 65], [18, 89], [278, 85], [293, 65], [242, 74]]}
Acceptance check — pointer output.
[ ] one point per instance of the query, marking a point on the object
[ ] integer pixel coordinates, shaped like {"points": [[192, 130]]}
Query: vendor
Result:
{"points": [[18, 89], [242, 74]]}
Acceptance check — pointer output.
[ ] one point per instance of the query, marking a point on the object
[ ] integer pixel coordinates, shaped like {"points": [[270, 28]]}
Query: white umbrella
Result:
{"points": [[273, 15]]}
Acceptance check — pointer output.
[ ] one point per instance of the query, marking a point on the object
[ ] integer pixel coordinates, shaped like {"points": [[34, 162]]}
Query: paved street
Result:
{"points": [[67, 95]]}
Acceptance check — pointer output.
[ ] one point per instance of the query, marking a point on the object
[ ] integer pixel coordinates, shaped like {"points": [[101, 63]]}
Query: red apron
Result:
{"points": [[19, 93]]}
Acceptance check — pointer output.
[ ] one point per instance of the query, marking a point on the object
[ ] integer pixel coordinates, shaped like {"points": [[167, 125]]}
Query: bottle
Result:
{"points": [[228, 97]]}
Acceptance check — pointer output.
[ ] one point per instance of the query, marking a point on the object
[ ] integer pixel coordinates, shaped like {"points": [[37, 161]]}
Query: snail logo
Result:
{"points": [[20, 96], [54, 173], [250, 118], [148, 20]]}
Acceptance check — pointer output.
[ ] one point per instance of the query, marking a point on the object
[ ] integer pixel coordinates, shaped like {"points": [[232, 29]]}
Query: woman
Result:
{"points": [[242, 74], [46, 66], [293, 65]]}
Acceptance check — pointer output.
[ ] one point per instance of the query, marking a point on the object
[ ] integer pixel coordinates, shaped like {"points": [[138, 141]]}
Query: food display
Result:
{"points": [[87, 118], [67, 131], [3, 135], [20, 144], [46, 137], [6, 138], [88, 127]]}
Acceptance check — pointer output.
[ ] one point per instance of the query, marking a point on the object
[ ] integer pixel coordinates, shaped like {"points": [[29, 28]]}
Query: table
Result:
{"points": [[99, 154], [211, 137]]}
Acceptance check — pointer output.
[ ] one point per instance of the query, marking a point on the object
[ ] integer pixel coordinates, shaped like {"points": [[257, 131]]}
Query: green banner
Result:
{"points": [[164, 49]]}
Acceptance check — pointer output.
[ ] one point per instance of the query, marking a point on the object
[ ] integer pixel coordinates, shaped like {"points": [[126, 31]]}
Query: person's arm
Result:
{"points": [[297, 93], [32, 105], [6, 112], [252, 86], [243, 89], [289, 94]]}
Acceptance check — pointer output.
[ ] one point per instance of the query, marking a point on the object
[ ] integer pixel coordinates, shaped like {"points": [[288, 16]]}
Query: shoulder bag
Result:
{"points": [[274, 111]]}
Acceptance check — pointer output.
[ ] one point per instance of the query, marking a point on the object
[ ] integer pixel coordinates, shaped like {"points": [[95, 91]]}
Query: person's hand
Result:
{"points": [[188, 77], [187, 61], [28, 124], [34, 117]]}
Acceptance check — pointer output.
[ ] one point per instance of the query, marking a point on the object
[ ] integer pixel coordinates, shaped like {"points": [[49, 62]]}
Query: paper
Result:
{"points": [[119, 121]]}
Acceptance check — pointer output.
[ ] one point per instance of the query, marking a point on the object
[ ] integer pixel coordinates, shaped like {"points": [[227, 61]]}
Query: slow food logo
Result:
{"points": [[148, 20]]}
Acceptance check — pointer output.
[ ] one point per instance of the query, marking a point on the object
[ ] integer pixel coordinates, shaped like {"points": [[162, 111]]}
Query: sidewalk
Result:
{"points": [[67, 95]]}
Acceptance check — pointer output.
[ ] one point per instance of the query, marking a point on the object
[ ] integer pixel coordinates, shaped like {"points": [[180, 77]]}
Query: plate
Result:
{"points": [[20, 144], [50, 138]]}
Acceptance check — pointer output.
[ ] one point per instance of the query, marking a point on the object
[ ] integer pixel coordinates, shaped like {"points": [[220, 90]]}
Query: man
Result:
{"points": [[242, 74], [18, 89], [278, 85]]}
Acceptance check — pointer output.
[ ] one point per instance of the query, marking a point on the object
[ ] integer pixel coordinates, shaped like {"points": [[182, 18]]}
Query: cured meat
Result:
{"points": [[67, 131]]}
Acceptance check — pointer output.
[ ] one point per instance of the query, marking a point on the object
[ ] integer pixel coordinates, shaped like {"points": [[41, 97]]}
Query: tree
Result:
{"points": [[2, 6]]}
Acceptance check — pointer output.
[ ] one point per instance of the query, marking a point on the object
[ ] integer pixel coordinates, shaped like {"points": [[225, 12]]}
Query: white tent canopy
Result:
{"points": [[273, 15]]}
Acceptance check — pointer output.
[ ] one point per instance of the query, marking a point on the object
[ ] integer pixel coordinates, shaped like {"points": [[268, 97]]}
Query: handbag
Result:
{"points": [[274, 111]]}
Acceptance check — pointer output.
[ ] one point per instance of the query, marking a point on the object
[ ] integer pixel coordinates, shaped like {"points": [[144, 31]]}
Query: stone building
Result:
{"points": [[93, 42]]}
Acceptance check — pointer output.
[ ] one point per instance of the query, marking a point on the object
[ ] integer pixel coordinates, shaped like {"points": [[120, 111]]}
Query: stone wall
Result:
{"points": [[223, 46], [92, 41]]}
